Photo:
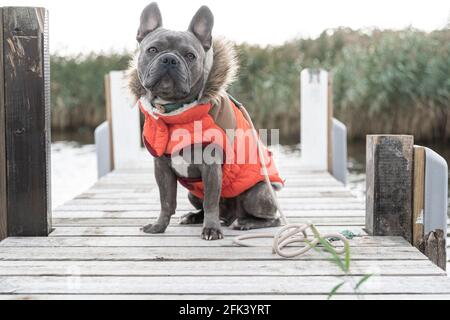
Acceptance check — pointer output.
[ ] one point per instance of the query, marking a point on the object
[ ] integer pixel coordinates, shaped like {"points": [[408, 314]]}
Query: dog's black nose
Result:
{"points": [[169, 60]]}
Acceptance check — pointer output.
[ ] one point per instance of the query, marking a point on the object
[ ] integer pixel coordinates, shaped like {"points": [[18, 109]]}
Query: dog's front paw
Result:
{"points": [[154, 228], [195, 217], [212, 234]]}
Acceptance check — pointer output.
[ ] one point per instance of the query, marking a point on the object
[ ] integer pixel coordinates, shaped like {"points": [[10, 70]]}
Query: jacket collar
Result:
{"points": [[187, 113]]}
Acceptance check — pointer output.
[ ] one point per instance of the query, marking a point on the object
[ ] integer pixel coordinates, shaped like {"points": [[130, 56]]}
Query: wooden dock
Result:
{"points": [[92, 246], [97, 250]]}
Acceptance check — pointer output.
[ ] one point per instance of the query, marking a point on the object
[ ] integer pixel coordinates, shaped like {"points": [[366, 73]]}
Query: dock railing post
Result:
{"points": [[25, 206], [389, 172], [103, 149], [430, 204], [3, 198], [118, 141], [406, 193], [323, 138], [315, 126]]}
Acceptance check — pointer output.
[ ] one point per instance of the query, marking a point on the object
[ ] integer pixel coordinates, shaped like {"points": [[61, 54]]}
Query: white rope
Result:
{"points": [[289, 233]]}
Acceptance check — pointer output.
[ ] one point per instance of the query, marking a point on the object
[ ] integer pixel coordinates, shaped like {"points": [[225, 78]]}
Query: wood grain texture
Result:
{"points": [[435, 248], [330, 123], [97, 251], [174, 241], [389, 177], [217, 285], [312, 214], [27, 107], [228, 297], [192, 231], [107, 82], [3, 160], [223, 253], [139, 222], [418, 197], [217, 268]]}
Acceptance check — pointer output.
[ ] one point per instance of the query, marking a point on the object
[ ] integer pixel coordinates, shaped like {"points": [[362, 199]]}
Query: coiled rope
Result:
{"points": [[289, 233]]}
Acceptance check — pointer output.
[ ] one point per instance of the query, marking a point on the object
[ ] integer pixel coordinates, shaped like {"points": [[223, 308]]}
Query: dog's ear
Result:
{"points": [[201, 26], [150, 20]]}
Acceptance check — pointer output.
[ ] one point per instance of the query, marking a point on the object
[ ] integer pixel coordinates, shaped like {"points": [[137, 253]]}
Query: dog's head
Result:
{"points": [[173, 65]]}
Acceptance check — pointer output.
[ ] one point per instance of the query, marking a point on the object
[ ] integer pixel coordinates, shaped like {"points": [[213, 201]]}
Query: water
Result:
{"points": [[73, 170]]}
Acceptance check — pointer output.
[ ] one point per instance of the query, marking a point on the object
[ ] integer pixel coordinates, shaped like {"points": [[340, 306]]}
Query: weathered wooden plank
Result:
{"points": [[330, 123], [293, 179], [107, 193], [190, 254], [130, 222], [147, 174], [170, 241], [148, 177], [313, 214], [106, 188], [215, 268], [3, 160], [228, 297], [156, 207], [176, 231], [418, 197], [109, 118], [292, 168], [290, 181], [217, 285], [435, 248], [27, 104], [184, 201], [128, 195], [284, 162], [389, 163]]}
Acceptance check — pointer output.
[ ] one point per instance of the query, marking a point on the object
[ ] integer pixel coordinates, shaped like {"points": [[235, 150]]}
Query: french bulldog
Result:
{"points": [[176, 68]]}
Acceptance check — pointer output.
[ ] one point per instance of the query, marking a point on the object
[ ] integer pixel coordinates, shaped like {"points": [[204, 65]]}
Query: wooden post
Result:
{"points": [[430, 205], [418, 197], [436, 207], [109, 119], [316, 120], [26, 110], [124, 125], [3, 206], [388, 185], [435, 247], [330, 124]]}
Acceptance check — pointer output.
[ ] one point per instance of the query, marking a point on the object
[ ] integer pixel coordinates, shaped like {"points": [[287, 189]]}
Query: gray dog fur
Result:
{"points": [[182, 82]]}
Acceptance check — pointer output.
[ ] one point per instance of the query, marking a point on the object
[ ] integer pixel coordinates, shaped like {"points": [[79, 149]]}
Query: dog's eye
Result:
{"points": [[152, 50], [190, 56]]}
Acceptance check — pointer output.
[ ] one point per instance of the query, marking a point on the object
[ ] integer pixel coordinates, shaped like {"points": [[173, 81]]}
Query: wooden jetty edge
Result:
{"points": [[95, 249]]}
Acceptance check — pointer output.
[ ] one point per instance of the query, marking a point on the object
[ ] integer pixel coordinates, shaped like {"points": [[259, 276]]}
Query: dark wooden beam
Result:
{"points": [[27, 116], [3, 212], [389, 176]]}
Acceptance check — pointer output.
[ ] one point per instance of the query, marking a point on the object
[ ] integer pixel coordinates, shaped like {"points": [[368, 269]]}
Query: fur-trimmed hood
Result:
{"points": [[223, 73]]}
